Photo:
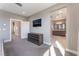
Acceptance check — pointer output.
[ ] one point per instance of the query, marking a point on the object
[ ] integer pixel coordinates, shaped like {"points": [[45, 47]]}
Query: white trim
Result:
{"points": [[24, 38], [78, 44], [10, 28], [47, 43], [1, 49], [72, 51], [10, 32], [7, 41], [59, 46], [52, 51]]}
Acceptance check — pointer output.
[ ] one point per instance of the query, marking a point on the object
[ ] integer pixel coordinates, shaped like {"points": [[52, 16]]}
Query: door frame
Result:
{"points": [[11, 26], [66, 29]]}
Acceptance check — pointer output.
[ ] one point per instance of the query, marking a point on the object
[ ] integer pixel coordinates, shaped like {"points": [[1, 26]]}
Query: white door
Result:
{"points": [[25, 29]]}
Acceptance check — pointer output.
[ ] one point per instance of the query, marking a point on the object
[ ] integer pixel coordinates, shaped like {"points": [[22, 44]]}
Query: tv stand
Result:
{"points": [[35, 38]]}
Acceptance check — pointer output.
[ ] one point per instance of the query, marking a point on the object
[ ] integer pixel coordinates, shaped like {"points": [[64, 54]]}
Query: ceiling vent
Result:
{"points": [[19, 4]]}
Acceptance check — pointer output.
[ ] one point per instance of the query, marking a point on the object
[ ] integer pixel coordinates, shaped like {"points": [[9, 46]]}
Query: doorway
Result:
{"points": [[19, 29], [15, 30], [58, 29]]}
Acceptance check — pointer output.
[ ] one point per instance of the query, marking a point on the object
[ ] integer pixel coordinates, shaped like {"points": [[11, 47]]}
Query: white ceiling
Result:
{"points": [[27, 9]]}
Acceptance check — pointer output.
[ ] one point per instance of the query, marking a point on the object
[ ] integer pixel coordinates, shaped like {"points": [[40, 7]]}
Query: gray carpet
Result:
{"points": [[57, 51], [26, 48]]}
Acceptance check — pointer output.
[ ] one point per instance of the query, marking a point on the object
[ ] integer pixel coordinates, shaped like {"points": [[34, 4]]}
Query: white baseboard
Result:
{"points": [[7, 41], [47, 43], [24, 38], [72, 51]]}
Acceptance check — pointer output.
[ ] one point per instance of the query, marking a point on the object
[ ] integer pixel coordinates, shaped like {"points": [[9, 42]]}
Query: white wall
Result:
{"points": [[5, 19], [46, 22], [73, 27], [72, 36], [44, 29], [71, 23]]}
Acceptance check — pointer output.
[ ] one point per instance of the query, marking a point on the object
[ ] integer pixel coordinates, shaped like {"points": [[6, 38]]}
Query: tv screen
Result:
{"points": [[37, 23]]}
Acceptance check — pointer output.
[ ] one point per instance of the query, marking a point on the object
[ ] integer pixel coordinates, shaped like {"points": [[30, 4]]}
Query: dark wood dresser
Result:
{"points": [[35, 38]]}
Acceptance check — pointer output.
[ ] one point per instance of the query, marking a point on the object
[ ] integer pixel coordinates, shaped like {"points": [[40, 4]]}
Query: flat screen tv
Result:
{"points": [[37, 23]]}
